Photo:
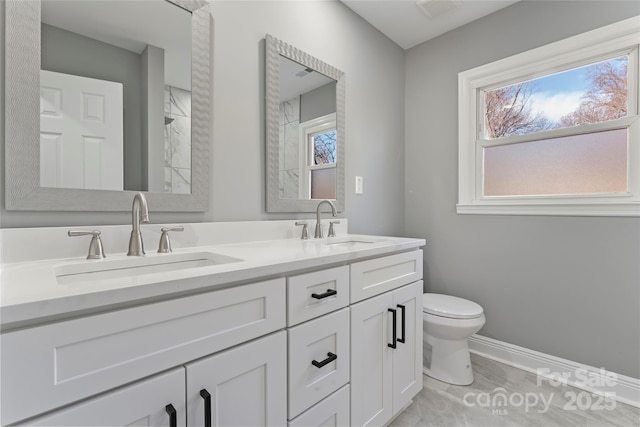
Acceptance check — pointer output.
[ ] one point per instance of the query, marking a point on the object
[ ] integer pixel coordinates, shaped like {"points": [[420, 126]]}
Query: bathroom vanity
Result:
{"points": [[269, 332]]}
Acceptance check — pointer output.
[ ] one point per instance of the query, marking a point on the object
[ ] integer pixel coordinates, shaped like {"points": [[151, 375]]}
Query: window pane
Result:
{"points": [[580, 164], [590, 94], [324, 148], [323, 183]]}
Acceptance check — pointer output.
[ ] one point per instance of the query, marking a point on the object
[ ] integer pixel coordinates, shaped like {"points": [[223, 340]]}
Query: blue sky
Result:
{"points": [[560, 94], [568, 81]]}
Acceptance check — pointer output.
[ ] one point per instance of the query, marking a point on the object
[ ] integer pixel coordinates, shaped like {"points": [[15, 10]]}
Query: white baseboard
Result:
{"points": [[623, 389]]}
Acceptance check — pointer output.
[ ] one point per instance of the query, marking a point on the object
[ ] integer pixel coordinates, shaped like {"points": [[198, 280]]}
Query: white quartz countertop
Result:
{"points": [[30, 292]]}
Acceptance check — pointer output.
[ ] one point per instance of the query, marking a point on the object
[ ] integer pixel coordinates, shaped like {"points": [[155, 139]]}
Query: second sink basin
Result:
{"points": [[351, 241], [134, 266]]}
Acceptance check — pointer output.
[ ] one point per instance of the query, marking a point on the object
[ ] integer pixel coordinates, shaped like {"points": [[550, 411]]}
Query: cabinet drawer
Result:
{"points": [[114, 408], [324, 340], [52, 365], [375, 276], [332, 411], [312, 295]]}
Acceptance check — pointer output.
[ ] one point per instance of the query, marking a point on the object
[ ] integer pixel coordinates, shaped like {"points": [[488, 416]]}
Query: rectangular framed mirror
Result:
{"points": [[144, 123], [304, 130]]}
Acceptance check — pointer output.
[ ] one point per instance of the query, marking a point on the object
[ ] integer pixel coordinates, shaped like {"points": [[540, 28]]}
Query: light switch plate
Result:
{"points": [[359, 189]]}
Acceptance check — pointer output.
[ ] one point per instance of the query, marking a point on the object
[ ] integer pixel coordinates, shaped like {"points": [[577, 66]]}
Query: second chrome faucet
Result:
{"points": [[318, 233]]}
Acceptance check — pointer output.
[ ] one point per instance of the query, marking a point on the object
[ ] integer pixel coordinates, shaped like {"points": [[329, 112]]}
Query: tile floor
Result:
{"points": [[444, 405]]}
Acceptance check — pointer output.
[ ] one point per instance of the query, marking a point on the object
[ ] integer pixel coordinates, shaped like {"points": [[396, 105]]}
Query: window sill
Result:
{"points": [[566, 209]]}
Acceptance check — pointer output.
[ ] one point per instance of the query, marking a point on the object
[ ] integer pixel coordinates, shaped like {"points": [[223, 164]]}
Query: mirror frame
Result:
{"points": [[22, 123], [274, 49]]}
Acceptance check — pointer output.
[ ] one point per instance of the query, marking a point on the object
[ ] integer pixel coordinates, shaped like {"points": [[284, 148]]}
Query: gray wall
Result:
{"points": [[374, 118], [566, 286], [318, 102]]}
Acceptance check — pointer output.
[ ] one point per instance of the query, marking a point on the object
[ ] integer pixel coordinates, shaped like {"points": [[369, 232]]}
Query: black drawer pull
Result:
{"points": [[173, 416], [394, 327], [402, 324], [326, 361], [329, 293], [207, 407]]}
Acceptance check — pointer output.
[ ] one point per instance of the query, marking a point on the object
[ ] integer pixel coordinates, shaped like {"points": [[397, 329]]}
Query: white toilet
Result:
{"points": [[448, 321]]}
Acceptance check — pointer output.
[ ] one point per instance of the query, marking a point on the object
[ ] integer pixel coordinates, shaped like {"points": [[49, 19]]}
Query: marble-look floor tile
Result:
{"points": [[505, 396]]}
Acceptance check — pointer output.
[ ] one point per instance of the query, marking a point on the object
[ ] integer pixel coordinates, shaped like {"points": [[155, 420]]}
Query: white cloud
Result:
{"points": [[554, 106]]}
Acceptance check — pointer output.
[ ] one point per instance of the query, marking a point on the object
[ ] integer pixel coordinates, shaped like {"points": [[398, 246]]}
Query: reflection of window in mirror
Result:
{"points": [[319, 156], [307, 133]]}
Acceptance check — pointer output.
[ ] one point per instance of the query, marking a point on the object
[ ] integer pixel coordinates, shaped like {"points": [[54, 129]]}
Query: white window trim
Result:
{"points": [[603, 43], [313, 126]]}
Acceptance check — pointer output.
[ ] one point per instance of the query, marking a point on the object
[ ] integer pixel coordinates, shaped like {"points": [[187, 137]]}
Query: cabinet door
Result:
{"points": [[371, 380], [407, 357], [143, 403], [247, 385]]}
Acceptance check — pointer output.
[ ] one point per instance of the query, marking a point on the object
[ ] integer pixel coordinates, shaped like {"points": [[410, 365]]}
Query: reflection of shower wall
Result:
{"points": [[289, 148], [177, 140]]}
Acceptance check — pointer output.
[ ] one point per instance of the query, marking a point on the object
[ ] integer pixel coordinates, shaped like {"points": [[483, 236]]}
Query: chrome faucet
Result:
{"points": [[318, 233], [139, 213]]}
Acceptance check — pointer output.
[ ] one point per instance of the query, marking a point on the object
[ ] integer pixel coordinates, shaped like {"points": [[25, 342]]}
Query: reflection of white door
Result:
{"points": [[81, 128]]}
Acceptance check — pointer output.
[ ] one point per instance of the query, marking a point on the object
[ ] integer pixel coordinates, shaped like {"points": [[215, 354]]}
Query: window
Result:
{"points": [[318, 159], [554, 130]]}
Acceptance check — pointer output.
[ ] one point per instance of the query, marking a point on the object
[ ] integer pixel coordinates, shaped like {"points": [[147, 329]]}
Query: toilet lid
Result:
{"points": [[449, 306]]}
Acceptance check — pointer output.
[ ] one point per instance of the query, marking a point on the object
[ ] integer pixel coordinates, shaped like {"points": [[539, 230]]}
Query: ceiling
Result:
{"points": [[407, 25]]}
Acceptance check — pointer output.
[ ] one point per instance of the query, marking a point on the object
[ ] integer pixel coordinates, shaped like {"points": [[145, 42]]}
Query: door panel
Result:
{"points": [[407, 358], [247, 384], [81, 132], [371, 380], [141, 404]]}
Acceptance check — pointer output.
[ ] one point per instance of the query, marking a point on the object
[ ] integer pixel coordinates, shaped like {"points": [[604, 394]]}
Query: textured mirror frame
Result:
{"points": [[274, 49], [22, 123]]}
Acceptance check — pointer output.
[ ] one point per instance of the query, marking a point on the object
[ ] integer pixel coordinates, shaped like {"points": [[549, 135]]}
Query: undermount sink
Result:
{"points": [[134, 266], [351, 241]]}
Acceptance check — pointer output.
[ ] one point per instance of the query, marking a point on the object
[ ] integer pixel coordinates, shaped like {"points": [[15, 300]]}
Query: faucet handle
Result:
{"points": [[332, 231], [305, 230], [165, 244], [96, 250]]}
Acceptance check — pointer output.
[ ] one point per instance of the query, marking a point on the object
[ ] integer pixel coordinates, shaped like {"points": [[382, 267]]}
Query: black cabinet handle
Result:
{"points": [[329, 293], [173, 416], [207, 407], [326, 361], [395, 321], [402, 323]]}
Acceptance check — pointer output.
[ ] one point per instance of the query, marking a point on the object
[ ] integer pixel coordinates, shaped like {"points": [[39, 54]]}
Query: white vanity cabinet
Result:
{"points": [[49, 366], [307, 348], [386, 337]]}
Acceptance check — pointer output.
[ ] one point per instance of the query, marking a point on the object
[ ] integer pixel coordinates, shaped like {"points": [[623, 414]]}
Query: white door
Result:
{"points": [[144, 403], [246, 385], [407, 357], [81, 132], [371, 375]]}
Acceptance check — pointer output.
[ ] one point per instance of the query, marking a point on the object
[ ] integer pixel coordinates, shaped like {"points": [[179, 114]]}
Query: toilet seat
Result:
{"points": [[450, 307]]}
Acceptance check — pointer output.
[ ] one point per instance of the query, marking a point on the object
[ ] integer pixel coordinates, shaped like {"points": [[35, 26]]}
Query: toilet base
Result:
{"points": [[449, 362]]}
